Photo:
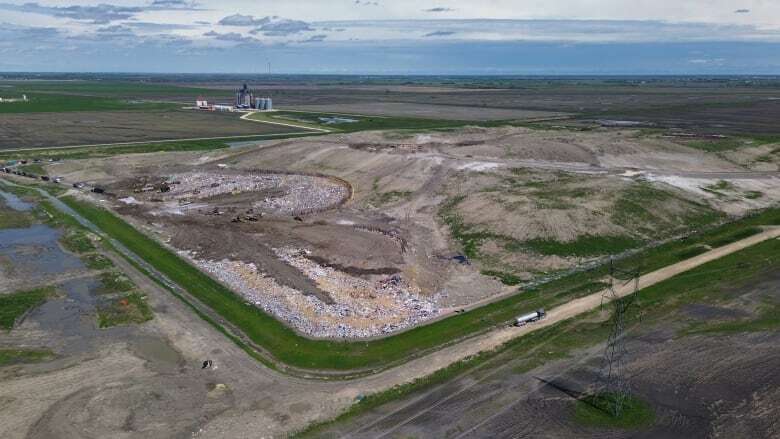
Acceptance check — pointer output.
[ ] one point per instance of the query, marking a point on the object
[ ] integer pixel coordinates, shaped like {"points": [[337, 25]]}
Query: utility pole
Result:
{"points": [[615, 385]]}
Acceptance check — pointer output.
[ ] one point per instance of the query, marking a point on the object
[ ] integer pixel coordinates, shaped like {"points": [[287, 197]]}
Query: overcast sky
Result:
{"points": [[393, 37]]}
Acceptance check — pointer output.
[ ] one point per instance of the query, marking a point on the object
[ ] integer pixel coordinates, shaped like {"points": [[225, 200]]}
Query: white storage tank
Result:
{"points": [[530, 317]]}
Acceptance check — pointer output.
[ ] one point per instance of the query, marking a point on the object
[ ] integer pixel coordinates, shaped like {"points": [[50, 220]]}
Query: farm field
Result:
{"points": [[87, 128], [431, 111]]}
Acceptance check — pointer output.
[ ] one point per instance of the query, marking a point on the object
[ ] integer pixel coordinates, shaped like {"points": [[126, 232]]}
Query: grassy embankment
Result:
{"points": [[709, 283], [16, 305], [298, 351]]}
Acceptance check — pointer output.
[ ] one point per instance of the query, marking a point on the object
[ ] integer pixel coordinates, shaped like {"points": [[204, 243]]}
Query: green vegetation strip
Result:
{"points": [[19, 356], [294, 350], [14, 306]]}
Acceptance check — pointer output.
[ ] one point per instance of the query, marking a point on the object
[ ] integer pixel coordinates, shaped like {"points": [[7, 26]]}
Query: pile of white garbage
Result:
{"points": [[360, 308], [289, 193]]}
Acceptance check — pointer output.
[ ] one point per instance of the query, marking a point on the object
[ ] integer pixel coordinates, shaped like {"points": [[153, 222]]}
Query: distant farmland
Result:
{"points": [[32, 130]]}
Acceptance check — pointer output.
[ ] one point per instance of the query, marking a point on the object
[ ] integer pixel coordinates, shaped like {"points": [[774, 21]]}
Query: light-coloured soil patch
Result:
{"points": [[735, 196]]}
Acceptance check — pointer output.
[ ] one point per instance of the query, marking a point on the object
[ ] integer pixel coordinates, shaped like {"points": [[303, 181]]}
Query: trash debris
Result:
{"points": [[361, 308]]}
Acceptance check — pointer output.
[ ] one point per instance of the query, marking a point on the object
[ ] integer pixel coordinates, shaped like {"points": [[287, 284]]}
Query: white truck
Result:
{"points": [[530, 317]]}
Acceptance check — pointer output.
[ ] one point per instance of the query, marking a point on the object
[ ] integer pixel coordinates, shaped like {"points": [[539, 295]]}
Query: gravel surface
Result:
{"points": [[287, 193]]}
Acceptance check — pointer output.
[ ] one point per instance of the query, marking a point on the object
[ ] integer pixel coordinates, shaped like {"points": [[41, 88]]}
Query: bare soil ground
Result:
{"points": [[85, 128]]}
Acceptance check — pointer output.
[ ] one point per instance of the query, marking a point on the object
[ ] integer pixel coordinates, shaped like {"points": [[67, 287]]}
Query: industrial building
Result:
{"points": [[245, 100]]}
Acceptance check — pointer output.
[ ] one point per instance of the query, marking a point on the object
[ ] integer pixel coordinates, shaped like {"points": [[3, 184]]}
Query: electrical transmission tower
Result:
{"points": [[615, 385]]}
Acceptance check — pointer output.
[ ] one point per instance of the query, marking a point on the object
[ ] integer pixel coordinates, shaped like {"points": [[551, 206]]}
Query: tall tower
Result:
{"points": [[615, 385]]}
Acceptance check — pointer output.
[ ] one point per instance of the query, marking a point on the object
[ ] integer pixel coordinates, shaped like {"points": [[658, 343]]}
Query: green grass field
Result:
{"points": [[294, 350], [13, 306], [54, 103]]}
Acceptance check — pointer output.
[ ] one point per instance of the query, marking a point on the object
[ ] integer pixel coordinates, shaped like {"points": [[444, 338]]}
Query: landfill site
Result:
{"points": [[362, 235]]}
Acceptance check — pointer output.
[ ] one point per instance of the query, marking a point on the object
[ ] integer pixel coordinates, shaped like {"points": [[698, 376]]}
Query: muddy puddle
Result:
{"points": [[15, 202], [33, 257], [35, 251]]}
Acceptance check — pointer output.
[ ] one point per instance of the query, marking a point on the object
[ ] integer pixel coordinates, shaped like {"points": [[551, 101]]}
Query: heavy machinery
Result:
{"points": [[530, 317]]}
